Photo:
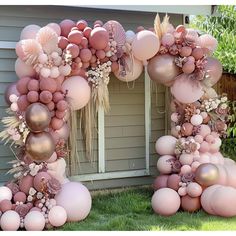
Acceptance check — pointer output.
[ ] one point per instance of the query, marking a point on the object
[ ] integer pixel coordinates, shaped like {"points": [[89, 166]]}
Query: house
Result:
{"points": [[124, 148]]}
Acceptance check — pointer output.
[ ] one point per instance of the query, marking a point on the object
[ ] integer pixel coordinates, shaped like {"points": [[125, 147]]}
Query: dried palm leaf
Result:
{"points": [[157, 26], [165, 25]]}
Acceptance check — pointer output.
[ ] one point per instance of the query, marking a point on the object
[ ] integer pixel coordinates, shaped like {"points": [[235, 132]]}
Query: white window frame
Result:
{"points": [[102, 174]]}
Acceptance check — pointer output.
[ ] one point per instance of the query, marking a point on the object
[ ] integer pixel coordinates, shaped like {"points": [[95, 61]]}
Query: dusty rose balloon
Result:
{"points": [[164, 165], [75, 199], [22, 85], [186, 159], [64, 131], [62, 105], [187, 129], [48, 84], [87, 31], [10, 221], [81, 24], [45, 97], [51, 106], [29, 32], [37, 117], [32, 96], [11, 89], [5, 205], [85, 55], [190, 204], [74, 50], [75, 37], [185, 51], [60, 114], [188, 67], [78, 91], [57, 216], [100, 54], [33, 85], [39, 146], [160, 182], [165, 145], [162, 69], [55, 27], [194, 190], [66, 26], [40, 179], [23, 103], [57, 96], [186, 90], [26, 183], [20, 197], [34, 221], [195, 165], [56, 123], [23, 70], [136, 69], [196, 120], [214, 71], [173, 181], [139, 45], [62, 42], [98, 38], [165, 202]]}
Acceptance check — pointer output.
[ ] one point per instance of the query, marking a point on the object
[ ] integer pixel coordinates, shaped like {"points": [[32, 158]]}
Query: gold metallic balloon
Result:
{"points": [[39, 146], [207, 174], [37, 117]]}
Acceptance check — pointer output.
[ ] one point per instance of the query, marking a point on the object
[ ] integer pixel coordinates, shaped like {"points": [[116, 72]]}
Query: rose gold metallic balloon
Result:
{"points": [[37, 117], [39, 146], [207, 174], [162, 69]]}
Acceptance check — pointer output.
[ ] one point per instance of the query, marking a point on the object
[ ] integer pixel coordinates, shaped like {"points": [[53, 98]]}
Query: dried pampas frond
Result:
{"points": [[48, 38], [165, 25], [157, 26], [32, 49]]}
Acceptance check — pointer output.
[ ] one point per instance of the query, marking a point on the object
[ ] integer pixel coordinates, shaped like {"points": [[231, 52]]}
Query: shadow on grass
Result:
{"points": [[131, 210]]}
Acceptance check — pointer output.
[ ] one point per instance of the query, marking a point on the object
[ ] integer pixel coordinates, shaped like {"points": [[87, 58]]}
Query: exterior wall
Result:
{"points": [[124, 125]]}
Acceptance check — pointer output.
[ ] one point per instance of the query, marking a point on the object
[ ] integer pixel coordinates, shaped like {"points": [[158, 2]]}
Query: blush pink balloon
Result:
{"points": [[74, 49], [136, 68], [98, 38], [29, 32], [85, 55], [186, 90], [23, 70], [194, 190], [78, 91], [165, 145], [5, 193], [10, 221], [196, 120], [63, 132], [145, 45], [164, 165], [57, 216], [204, 158], [204, 130], [186, 159], [165, 202], [185, 169], [34, 221], [75, 199], [208, 41], [204, 147], [55, 27], [11, 89], [66, 26]]}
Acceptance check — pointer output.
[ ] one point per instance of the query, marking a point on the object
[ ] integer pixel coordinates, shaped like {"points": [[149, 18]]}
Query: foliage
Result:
{"points": [[131, 210], [222, 26]]}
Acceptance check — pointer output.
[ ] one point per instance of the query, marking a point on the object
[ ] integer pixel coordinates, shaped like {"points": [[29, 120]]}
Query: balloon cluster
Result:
{"points": [[191, 166]]}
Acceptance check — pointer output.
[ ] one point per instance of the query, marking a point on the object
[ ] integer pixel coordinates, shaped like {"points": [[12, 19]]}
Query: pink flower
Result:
{"points": [[163, 50], [176, 166], [220, 126], [188, 177], [22, 210], [53, 186]]}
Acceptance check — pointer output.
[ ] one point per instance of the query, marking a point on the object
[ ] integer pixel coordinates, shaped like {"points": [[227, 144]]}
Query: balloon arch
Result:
{"points": [[66, 67]]}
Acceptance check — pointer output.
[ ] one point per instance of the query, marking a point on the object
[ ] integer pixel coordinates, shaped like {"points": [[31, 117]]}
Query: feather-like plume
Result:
{"points": [[157, 26], [165, 25]]}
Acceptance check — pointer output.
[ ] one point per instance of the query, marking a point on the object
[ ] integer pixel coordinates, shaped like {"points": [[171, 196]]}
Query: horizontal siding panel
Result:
{"points": [[124, 121], [124, 142], [7, 64], [128, 110], [8, 77]]}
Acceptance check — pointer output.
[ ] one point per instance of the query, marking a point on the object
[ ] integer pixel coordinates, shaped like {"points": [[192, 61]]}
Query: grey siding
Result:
{"points": [[124, 125]]}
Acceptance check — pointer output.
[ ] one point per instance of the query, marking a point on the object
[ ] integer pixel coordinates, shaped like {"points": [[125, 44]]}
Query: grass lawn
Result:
{"points": [[130, 209]]}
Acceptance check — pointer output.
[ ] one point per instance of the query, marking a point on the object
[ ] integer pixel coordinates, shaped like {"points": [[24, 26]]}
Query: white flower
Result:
{"points": [[39, 195], [224, 106], [29, 198], [224, 99], [32, 191]]}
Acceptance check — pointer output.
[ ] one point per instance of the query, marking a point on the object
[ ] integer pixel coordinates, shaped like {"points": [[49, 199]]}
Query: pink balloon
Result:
{"points": [[186, 90], [5, 193], [55, 27], [11, 89], [186, 159], [45, 97], [63, 132], [78, 91], [164, 165], [62, 42], [34, 221], [10, 221], [145, 45], [85, 55], [23, 70], [160, 182], [48, 84], [185, 169], [165, 145], [87, 31], [99, 38], [23, 103], [165, 201], [26, 183], [75, 199], [133, 70], [167, 39], [32, 96], [74, 50], [81, 24], [209, 42], [223, 176], [56, 123], [57, 216], [194, 190], [39, 179], [66, 26], [20, 197], [204, 158], [204, 130], [196, 119], [29, 32], [75, 37]]}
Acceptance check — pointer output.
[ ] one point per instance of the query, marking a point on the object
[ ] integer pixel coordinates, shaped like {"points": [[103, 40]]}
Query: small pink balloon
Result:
{"points": [[63, 132], [34, 221], [66, 26], [167, 39], [185, 169], [22, 85], [55, 27], [182, 191], [62, 105], [57, 216], [23, 70], [197, 53], [23, 103], [58, 96], [84, 42], [60, 114], [85, 55], [194, 190], [5, 205], [45, 97], [20, 197], [87, 31], [75, 37], [33, 85], [204, 130], [10, 221], [195, 165], [100, 54], [196, 120], [26, 183], [51, 106], [62, 42], [185, 51], [32, 96], [81, 24], [74, 50], [188, 67], [56, 123], [98, 38], [186, 159], [164, 165], [41, 178], [204, 147], [29, 32], [160, 182]]}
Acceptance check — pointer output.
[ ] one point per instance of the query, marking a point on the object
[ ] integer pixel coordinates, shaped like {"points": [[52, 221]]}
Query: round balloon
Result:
{"points": [[57, 216], [10, 221], [34, 221], [165, 145], [11, 90], [78, 91], [99, 38], [162, 69], [23, 69], [29, 32]]}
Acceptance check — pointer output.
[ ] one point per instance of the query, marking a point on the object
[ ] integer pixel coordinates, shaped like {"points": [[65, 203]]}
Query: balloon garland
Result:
{"points": [[66, 67]]}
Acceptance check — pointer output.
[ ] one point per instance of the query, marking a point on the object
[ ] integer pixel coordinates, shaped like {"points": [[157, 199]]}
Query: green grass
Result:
{"points": [[131, 210]]}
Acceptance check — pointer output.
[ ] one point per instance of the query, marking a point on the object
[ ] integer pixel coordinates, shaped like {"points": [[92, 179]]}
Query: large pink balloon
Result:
{"points": [[34, 221], [133, 70], [99, 38], [186, 90], [57, 216], [165, 145], [145, 45], [75, 198], [214, 71], [23, 70], [78, 91], [165, 201], [162, 69], [10, 221], [29, 32], [11, 89]]}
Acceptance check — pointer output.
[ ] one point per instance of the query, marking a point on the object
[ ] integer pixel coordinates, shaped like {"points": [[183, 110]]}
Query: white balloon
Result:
{"points": [[129, 36], [5, 193]]}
